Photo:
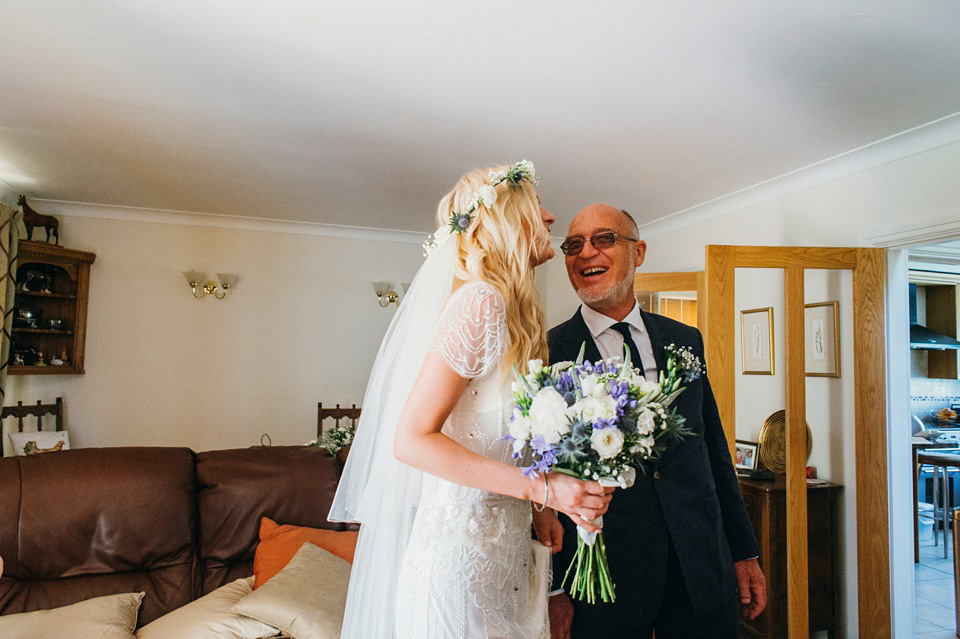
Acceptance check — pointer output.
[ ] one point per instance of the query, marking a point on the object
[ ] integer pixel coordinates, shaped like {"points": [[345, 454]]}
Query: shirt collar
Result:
{"points": [[598, 322]]}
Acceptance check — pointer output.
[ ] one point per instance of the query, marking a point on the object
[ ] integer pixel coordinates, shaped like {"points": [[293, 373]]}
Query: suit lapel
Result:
{"points": [[655, 331], [580, 334]]}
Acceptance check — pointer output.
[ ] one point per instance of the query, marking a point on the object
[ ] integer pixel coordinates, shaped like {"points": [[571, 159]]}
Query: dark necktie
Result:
{"points": [[624, 329]]}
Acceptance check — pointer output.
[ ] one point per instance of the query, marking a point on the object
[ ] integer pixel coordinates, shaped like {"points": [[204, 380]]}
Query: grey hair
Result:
{"points": [[633, 223]]}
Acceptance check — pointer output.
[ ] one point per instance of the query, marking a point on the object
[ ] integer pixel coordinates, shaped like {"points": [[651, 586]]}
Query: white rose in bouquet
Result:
{"points": [[548, 415], [590, 409], [520, 426], [600, 390], [647, 387], [608, 442], [535, 366], [646, 422], [587, 409], [589, 384]]}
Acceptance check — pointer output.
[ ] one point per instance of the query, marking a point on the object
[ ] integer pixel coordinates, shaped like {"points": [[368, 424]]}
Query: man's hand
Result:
{"points": [[548, 528], [561, 616], [752, 587]]}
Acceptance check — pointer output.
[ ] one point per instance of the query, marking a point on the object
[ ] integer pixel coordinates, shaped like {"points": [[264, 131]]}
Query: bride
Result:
{"points": [[445, 549]]}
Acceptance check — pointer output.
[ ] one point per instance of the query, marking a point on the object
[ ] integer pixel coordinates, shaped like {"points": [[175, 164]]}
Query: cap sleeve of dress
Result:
{"points": [[472, 332]]}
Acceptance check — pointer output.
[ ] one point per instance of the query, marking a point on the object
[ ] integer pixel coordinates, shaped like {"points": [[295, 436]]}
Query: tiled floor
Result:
{"points": [[934, 592]]}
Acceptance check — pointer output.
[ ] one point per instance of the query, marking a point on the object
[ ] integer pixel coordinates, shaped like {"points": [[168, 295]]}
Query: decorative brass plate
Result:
{"points": [[772, 443]]}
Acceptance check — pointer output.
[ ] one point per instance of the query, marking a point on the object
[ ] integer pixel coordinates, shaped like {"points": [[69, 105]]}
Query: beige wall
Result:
{"points": [[162, 368]]}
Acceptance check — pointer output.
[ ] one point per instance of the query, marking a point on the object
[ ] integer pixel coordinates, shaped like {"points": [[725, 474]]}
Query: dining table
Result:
{"points": [[941, 456]]}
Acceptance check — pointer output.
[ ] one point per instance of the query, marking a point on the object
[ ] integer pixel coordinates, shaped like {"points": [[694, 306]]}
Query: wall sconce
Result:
{"points": [[203, 288], [385, 294]]}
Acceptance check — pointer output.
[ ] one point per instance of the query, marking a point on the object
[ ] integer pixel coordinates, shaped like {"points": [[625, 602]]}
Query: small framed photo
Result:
{"points": [[822, 339], [756, 341], [745, 455]]}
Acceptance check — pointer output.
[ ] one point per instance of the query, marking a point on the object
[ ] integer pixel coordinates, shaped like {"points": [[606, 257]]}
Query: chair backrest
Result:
{"points": [[20, 411], [336, 414]]}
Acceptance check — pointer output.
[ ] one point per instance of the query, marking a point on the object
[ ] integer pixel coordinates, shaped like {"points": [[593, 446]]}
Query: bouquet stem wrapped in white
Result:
{"points": [[597, 421]]}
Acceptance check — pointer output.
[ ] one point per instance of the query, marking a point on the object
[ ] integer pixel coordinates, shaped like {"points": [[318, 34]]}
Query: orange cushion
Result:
{"points": [[278, 544]]}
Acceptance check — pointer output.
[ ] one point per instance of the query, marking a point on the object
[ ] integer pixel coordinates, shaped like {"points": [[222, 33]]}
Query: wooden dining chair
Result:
{"points": [[20, 411], [336, 414]]}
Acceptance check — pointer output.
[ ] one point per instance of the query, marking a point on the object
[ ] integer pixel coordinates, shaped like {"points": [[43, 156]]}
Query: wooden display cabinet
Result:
{"points": [[766, 505], [53, 284]]}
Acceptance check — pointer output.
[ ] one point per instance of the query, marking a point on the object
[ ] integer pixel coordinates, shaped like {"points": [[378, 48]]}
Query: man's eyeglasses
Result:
{"points": [[600, 241]]}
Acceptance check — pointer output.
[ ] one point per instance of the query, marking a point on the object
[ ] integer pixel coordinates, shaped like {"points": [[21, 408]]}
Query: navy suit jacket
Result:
{"points": [[689, 497]]}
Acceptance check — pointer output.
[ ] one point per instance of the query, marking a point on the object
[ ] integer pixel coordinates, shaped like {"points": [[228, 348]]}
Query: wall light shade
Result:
{"points": [[202, 287], [385, 294]]}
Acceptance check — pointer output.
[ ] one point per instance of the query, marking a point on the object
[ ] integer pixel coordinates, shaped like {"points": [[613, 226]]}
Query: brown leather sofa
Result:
{"points": [[170, 522]]}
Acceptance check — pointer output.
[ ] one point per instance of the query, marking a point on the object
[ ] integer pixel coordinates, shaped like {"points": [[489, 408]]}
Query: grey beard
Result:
{"points": [[611, 296]]}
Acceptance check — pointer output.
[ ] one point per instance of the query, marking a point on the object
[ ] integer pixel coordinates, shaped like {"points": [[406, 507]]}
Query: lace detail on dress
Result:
{"points": [[472, 333], [470, 569]]}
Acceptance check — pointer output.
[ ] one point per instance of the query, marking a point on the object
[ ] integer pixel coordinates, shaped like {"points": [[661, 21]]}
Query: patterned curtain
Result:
{"points": [[9, 239]]}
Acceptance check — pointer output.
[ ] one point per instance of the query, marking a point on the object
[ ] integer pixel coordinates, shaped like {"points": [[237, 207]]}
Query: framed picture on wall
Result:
{"points": [[745, 455], [821, 339], [756, 341]]}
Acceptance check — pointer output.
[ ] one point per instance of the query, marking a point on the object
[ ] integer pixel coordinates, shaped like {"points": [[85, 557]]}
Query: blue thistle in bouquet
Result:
{"points": [[598, 421]]}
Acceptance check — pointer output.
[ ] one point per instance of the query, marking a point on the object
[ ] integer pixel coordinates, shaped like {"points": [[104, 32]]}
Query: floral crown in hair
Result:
{"points": [[486, 195]]}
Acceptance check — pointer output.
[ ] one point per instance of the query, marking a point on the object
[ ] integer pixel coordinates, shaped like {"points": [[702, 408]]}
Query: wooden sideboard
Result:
{"points": [[766, 504]]}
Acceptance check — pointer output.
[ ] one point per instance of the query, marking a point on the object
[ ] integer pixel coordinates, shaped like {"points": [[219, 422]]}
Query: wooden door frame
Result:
{"points": [[680, 281], [869, 289]]}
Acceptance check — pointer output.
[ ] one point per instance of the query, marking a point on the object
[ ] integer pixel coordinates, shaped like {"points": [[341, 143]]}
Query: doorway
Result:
{"points": [[933, 279]]}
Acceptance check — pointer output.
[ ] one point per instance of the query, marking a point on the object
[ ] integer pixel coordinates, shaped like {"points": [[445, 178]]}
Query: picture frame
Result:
{"points": [[756, 341], [821, 329], [745, 455]]}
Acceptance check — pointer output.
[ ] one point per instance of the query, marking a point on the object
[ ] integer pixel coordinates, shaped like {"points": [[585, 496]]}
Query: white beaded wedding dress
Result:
{"points": [[437, 560], [470, 570]]}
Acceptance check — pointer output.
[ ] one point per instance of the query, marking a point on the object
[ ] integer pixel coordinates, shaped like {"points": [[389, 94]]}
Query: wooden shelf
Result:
{"points": [[50, 295], [66, 274], [48, 331], [44, 370]]}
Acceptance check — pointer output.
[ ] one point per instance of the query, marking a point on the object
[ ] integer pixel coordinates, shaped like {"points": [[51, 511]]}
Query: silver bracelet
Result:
{"points": [[546, 494]]}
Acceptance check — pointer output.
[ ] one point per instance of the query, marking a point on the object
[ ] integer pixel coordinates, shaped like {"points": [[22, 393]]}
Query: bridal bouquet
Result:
{"points": [[597, 421]]}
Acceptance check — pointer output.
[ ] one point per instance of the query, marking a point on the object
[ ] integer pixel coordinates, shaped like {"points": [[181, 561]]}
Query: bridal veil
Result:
{"points": [[376, 490]]}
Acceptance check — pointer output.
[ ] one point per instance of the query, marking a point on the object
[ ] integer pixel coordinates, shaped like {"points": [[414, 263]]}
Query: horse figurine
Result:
{"points": [[32, 219]]}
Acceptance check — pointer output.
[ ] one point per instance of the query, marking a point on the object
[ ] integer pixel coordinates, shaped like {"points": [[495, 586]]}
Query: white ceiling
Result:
{"points": [[364, 114]]}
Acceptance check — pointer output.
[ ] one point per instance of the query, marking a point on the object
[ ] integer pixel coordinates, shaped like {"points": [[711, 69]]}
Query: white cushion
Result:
{"points": [[209, 617], [31, 443], [306, 599], [109, 617]]}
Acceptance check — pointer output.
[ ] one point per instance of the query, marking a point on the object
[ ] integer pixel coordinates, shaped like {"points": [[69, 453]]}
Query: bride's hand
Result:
{"points": [[548, 528], [582, 501]]}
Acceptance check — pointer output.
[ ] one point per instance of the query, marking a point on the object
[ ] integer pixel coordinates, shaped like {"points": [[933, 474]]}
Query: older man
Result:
{"points": [[681, 548]]}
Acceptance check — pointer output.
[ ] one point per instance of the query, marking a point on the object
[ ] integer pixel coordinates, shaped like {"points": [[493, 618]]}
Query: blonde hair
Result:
{"points": [[495, 248]]}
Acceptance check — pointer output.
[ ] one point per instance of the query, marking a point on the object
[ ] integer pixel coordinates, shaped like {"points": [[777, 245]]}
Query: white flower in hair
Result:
{"points": [[526, 166], [496, 177], [487, 195]]}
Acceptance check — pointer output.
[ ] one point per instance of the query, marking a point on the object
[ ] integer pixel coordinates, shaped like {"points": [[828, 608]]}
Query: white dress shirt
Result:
{"points": [[610, 342]]}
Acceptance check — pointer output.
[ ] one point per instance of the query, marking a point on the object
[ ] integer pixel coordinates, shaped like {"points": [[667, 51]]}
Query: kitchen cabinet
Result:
{"points": [[942, 318]]}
